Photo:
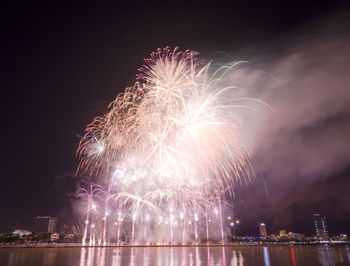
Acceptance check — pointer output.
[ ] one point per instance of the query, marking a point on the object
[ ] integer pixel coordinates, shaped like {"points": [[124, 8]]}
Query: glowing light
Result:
{"points": [[176, 140]]}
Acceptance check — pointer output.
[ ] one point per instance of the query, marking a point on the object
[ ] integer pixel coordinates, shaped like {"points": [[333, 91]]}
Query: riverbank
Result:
{"points": [[114, 245]]}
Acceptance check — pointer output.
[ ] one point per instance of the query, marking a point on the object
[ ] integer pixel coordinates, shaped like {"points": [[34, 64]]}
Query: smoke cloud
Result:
{"points": [[304, 140]]}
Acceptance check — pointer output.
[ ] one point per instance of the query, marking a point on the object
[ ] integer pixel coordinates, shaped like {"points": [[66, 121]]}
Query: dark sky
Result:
{"points": [[63, 63]]}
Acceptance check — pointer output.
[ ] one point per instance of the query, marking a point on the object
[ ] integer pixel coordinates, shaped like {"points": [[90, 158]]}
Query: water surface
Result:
{"points": [[233, 255]]}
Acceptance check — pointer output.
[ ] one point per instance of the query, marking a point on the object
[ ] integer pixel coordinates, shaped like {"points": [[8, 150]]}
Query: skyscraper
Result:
{"points": [[262, 229], [320, 225], [45, 224]]}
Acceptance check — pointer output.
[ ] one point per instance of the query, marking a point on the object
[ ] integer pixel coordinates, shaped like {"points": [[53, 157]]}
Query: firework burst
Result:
{"points": [[173, 143]]}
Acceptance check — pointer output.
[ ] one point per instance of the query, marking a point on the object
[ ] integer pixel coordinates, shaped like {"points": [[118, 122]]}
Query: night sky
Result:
{"points": [[62, 64]]}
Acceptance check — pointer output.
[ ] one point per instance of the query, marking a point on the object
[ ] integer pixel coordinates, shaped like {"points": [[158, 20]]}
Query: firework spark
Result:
{"points": [[173, 143]]}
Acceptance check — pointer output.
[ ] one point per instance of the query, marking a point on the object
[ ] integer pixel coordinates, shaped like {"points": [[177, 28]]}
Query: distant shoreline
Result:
{"points": [[78, 245]]}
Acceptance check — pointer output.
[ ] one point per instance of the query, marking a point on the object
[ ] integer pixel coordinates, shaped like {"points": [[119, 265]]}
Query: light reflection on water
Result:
{"points": [[173, 256], [266, 256]]}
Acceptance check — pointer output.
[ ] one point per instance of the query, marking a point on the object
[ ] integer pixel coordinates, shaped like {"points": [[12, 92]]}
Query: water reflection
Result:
{"points": [[184, 259], [182, 256], [116, 259], [50, 257], [293, 256], [132, 257], [266, 256], [89, 256], [208, 255], [237, 260], [333, 256], [103, 257], [145, 258], [198, 259], [82, 256]]}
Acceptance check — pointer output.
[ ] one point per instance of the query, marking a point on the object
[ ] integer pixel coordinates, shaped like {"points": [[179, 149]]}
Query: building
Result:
{"points": [[295, 236], [282, 233], [320, 226], [341, 237], [45, 224], [68, 237], [262, 229], [22, 233], [54, 236]]}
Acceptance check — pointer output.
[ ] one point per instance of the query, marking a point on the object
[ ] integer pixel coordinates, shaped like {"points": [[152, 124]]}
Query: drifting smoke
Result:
{"points": [[305, 139]]}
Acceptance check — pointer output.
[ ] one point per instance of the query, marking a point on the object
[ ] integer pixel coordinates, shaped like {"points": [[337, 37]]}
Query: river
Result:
{"points": [[229, 255]]}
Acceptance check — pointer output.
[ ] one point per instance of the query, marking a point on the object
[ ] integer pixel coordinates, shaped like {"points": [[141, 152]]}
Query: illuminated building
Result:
{"points": [[320, 226], [54, 236], [22, 233], [45, 224], [262, 229], [282, 233]]}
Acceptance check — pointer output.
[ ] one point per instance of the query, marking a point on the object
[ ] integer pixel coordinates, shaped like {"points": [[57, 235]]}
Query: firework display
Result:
{"points": [[164, 160]]}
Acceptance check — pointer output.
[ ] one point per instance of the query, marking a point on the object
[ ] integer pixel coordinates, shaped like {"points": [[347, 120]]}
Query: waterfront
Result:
{"points": [[215, 255]]}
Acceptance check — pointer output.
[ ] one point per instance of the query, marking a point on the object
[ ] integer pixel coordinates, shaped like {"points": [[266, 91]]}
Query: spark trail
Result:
{"points": [[170, 146]]}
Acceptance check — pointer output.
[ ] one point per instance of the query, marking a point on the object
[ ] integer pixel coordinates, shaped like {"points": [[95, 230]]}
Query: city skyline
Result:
{"points": [[320, 230]]}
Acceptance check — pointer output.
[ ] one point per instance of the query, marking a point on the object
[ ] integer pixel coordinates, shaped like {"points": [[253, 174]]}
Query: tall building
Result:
{"points": [[45, 224], [320, 225], [262, 229]]}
